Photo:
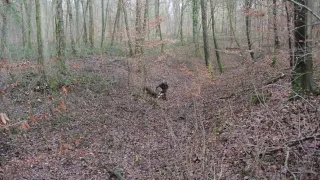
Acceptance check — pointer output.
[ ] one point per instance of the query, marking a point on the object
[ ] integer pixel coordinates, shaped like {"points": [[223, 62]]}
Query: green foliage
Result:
{"points": [[53, 84]]}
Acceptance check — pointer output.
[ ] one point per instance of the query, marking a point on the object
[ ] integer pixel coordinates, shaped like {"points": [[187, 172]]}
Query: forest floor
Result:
{"points": [[207, 129]]}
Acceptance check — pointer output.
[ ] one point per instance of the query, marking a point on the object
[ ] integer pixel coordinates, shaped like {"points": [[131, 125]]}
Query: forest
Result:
{"points": [[160, 89]]}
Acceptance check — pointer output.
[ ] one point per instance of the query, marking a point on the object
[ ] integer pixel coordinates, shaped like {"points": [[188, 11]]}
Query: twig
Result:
{"points": [[307, 8], [185, 112], [271, 81], [286, 163], [291, 144]]}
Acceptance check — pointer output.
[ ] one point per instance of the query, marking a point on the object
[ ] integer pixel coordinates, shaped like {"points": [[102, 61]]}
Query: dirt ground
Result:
{"points": [[209, 128]]}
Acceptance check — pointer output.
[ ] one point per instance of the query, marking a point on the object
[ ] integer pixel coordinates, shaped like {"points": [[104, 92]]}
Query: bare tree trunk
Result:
{"points": [[28, 7], [73, 45], [181, 21], [116, 22], [138, 28], [127, 28], [289, 34], [103, 27], [230, 8], [91, 24], [248, 4], [158, 29], [85, 33], [303, 65], [276, 36], [195, 24], [216, 48], [22, 26], [39, 34], [145, 22], [4, 31], [60, 31], [77, 7], [205, 36]]}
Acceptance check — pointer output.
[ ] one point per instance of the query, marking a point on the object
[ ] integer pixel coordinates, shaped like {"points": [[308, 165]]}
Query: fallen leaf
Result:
{"points": [[57, 111], [4, 119], [64, 91], [25, 125], [32, 119], [50, 98], [68, 89], [78, 141], [75, 66], [62, 106]]}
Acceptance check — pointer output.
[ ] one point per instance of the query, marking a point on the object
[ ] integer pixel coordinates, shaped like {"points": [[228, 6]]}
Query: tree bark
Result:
{"points": [[138, 28], [158, 29], [216, 48], [85, 33], [60, 31], [248, 4], [39, 34], [116, 22], [127, 28], [145, 22], [195, 25], [303, 65], [230, 8], [73, 45], [289, 35], [28, 13], [91, 24], [276, 36], [22, 26], [77, 6], [4, 31], [205, 36], [103, 27], [181, 21]]}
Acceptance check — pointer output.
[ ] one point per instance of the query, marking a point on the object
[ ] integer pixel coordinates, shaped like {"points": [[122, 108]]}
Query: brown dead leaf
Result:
{"points": [[4, 120], [68, 89], [64, 91], [32, 119], [62, 106], [78, 141], [25, 125], [75, 66], [50, 98]]}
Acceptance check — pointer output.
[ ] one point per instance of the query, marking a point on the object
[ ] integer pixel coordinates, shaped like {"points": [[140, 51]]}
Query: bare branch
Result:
{"points": [[293, 1]]}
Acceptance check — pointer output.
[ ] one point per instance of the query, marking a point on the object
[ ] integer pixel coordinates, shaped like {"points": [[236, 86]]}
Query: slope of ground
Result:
{"points": [[207, 129]]}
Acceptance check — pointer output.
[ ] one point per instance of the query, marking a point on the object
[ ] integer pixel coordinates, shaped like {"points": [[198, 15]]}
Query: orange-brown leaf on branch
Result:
{"points": [[64, 91], [25, 125], [62, 106]]}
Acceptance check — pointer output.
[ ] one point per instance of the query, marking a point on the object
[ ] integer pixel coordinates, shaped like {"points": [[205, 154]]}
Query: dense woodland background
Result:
{"points": [[79, 88]]}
